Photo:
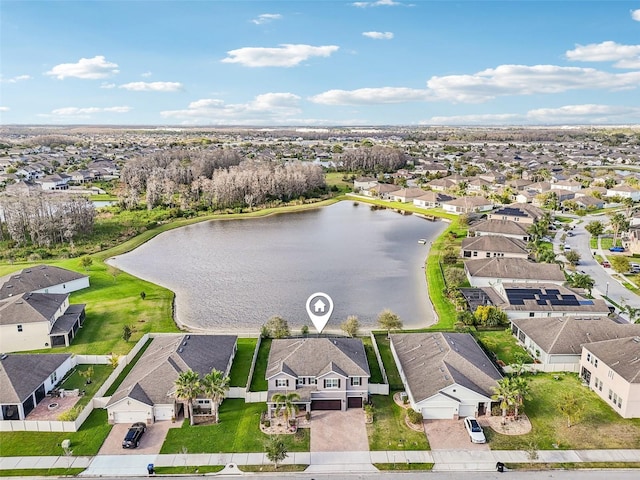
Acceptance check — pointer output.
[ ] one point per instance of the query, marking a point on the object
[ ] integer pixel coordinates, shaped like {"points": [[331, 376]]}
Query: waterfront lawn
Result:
{"points": [[600, 427], [393, 376], [374, 367], [503, 344], [389, 430], [242, 362], [259, 382], [85, 442], [238, 431], [74, 380]]}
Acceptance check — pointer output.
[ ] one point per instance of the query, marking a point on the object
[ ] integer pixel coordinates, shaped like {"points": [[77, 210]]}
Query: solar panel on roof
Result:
{"points": [[553, 291]]}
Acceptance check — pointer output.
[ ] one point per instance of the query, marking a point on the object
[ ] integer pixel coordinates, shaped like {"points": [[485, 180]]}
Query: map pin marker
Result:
{"points": [[319, 309]]}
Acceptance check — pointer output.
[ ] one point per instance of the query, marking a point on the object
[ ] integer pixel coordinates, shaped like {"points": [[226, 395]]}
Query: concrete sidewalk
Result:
{"points": [[319, 462]]}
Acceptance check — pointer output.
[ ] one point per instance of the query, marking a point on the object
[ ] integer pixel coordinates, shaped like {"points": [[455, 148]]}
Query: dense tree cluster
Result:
{"points": [[45, 220], [376, 159], [216, 178]]}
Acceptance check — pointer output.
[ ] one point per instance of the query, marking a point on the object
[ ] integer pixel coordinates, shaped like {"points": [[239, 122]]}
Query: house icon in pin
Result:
{"points": [[319, 306]]}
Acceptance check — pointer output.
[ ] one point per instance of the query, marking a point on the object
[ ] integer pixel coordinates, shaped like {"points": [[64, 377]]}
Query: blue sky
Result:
{"points": [[319, 63]]}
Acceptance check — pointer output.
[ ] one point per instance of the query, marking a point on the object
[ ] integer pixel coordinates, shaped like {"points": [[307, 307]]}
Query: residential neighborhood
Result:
{"points": [[534, 283]]}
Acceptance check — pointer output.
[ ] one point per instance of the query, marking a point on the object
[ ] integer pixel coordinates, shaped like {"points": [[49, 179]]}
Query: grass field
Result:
{"points": [[395, 382], [503, 344], [242, 362], [74, 380], [600, 427], [389, 431], [86, 441], [374, 367], [238, 431], [259, 382]]}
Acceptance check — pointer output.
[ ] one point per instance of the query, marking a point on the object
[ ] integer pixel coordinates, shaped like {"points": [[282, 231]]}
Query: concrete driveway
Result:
{"points": [[335, 431], [150, 443], [450, 435]]}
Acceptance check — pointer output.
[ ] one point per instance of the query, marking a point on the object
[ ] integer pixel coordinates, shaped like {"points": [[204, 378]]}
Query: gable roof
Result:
{"points": [[520, 210], [152, 379], [621, 355], [494, 243], [21, 375], [312, 357], [433, 361], [516, 268], [30, 307], [35, 278], [566, 335], [505, 227]]}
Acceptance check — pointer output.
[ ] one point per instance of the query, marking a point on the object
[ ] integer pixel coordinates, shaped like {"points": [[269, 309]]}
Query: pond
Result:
{"points": [[233, 275]]}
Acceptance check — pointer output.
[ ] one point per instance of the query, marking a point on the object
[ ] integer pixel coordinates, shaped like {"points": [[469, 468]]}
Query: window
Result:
{"points": [[475, 254], [595, 362], [589, 357], [282, 382], [488, 254], [521, 336], [610, 394], [19, 328], [619, 402], [54, 377], [531, 314], [615, 398], [331, 383], [313, 381], [355, 381], [301, 381]]}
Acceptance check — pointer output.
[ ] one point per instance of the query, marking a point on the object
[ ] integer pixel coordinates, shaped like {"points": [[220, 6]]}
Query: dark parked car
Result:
{"points": [[134, 434]]}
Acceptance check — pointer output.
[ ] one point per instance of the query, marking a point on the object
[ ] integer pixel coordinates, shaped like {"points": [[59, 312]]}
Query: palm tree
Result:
{"points": [[619, 223], [521, 391], [582, 280], [215, 385], [187, 389], [546, 255], [286, 402], [504, 393]]}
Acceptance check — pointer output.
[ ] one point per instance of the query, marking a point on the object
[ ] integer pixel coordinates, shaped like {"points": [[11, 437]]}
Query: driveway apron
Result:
{"points": [[335, 431]]}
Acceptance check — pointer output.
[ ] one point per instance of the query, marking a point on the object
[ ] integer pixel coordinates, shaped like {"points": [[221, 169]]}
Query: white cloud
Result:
{"points": [[286, 55], [596, 113], [626, 56], [77, 111], [146, 74], [263, 109], [481, 119], [526, 80], [107, 85], [152, 86], [635, 14], [266, 18], [16, 79], [379, 35], [4, 109], [378, 3], [370, 96], [87, 68]]}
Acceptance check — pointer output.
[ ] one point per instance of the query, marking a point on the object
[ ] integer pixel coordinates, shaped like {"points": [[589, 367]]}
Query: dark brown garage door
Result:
{"points": [[326, 405], [354, 402]]}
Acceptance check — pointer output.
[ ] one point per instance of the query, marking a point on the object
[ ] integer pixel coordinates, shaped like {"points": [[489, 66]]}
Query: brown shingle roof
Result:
{"points": [[514, 268]]}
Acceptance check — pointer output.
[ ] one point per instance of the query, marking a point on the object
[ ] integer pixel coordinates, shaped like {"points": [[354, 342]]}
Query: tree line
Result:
{"points": [[214, 179], [45, 220]]}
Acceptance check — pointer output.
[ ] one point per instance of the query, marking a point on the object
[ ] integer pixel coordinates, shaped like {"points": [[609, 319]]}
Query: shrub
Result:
{"points": [[413, 416], [70, 415]]}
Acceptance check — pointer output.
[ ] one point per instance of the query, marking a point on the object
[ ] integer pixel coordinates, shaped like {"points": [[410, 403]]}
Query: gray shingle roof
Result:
{"points": [[315, 356], [21, 375], [621, 355], [433, 361], [35, 278], [586, 307], [152, 379], [566, 335], [30, 307], [504, 227], [516, 268], [494, 243]]}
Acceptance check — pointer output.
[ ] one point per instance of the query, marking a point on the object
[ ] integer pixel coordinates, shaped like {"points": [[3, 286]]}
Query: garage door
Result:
{"points": [[163, 413], [354, 402], [130, 417], [438, 413], [326, 405], [467, 411]]}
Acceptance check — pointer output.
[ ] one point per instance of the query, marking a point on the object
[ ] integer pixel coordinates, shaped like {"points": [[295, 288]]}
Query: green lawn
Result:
{"points": [[242, 362], [593, 243], [389, 431], [238, 431], [503, 344], [401, 466], [599, 428], [74, 380], [115, 385], [259, 382], [395, 382], [38, 472], [86, 441], [374, 367], [188, 470]]}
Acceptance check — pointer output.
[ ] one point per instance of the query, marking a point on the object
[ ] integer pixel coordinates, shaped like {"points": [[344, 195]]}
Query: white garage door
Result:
{"points": [[163, 413], [129, 417], [438, 413], [467, 411]]}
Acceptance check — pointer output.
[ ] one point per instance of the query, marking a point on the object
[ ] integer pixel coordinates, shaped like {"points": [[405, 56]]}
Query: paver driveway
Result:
{"points": [[450, 435], [151, 442], [334, 431]]}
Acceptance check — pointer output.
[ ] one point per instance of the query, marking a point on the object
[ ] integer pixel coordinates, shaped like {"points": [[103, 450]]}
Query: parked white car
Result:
{"points": [[476, 435]]}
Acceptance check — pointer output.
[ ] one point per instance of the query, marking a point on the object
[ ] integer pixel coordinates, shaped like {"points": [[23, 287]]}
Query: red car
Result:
{"points": [[606, 264]]}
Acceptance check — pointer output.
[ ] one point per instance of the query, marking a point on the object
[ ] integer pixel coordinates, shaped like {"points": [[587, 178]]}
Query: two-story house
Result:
{"points": [[326, 373]]}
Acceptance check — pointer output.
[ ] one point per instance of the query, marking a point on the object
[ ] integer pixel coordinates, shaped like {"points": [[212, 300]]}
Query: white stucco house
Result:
{"points": [[446, 375]]}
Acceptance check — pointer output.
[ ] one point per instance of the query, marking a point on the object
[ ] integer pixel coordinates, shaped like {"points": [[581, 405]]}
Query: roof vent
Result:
{"points": [[184, 344], [180, 350], [4, 355], [636, 339], [188, 337]]}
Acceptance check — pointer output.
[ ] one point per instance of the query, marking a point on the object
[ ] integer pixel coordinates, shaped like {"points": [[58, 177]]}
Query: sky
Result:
{"points": [[320, 63]]}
